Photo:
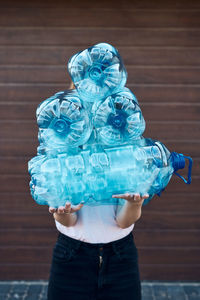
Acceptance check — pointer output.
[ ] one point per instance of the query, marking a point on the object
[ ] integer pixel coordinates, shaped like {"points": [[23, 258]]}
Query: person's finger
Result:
{"points": [[67, 205], [67, 208], [77, 207], [52, 209], [137, 197], [145, 196], [61, 210]]}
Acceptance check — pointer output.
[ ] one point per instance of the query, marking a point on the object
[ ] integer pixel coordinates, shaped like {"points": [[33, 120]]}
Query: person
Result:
{"points": [[95, 256]]}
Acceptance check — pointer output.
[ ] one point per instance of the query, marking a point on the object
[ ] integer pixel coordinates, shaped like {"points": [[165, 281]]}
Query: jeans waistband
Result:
{"points": [[64, 239]]}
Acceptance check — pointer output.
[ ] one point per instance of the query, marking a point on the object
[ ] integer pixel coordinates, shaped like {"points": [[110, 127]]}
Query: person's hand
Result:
{"points": [[132, 198], [67, 209]]}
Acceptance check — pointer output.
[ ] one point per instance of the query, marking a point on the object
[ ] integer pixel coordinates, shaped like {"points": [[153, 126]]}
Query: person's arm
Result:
{"points": [[66, 215], [131, 211]]}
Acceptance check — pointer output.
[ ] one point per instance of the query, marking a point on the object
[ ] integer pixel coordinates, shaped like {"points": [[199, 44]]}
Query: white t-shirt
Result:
{"points": [[95, 224]]}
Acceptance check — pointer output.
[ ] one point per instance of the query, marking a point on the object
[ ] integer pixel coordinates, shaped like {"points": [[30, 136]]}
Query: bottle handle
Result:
{"points": [[178, 161]]}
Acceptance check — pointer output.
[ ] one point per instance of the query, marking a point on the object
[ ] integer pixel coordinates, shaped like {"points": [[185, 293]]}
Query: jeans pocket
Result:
{"points": [[63, 253]]}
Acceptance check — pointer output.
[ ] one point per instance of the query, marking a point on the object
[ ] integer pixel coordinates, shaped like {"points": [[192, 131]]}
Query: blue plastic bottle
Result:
{"points": [[97, 72], [94, 176], [118, 119], [63, 122]]}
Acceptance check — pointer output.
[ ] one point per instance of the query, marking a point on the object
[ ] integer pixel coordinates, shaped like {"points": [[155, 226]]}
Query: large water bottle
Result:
{"points": [[171, 163], [97, 72], [118, 119], [94, 176], [63, 122]]}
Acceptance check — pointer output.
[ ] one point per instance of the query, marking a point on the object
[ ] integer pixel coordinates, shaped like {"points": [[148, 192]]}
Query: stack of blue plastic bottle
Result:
{"points": [[91, 143]]}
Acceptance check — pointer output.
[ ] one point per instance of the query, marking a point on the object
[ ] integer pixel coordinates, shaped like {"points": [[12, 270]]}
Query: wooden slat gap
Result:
{"points": [[64, 85], [130, 66], [57, 46], [171, 213], [142, 103], [85, 28]]}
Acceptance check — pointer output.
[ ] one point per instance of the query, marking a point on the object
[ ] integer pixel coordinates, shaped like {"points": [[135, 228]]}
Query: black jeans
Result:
{"points": [[85, 271]]}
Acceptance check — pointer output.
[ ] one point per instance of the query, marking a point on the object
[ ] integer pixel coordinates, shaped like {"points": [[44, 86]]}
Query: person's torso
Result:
{"points": [[95, 224]]}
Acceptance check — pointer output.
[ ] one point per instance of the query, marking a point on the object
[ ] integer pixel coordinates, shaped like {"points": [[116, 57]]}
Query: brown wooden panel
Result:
{"points": [[151, 111], [172, 202], [31, 254], [169, 56], [18, 130], [14, 165], [166, 93], [168, 221], [14, 183], [170, 272], [19, 165], [28, 237], [129, 4], [25, 111], [136, 74], [167, 238], [30, 92], [172, 130], [89, 36], [59, 55], [34, 221], [163, 75], [19, 147], [169, 255], [155, 130], [145, 93], [56, 16], [171, 112], [25, 271], [20, 202]]}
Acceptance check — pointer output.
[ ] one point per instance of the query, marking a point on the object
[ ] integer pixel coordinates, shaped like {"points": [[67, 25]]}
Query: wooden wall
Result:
{"points": [[160, 44]]}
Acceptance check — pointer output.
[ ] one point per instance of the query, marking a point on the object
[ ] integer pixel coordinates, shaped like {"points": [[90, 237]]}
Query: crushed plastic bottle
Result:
{"points": [[97, 72], [96, 176], [118, 119], [63, 122]]}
